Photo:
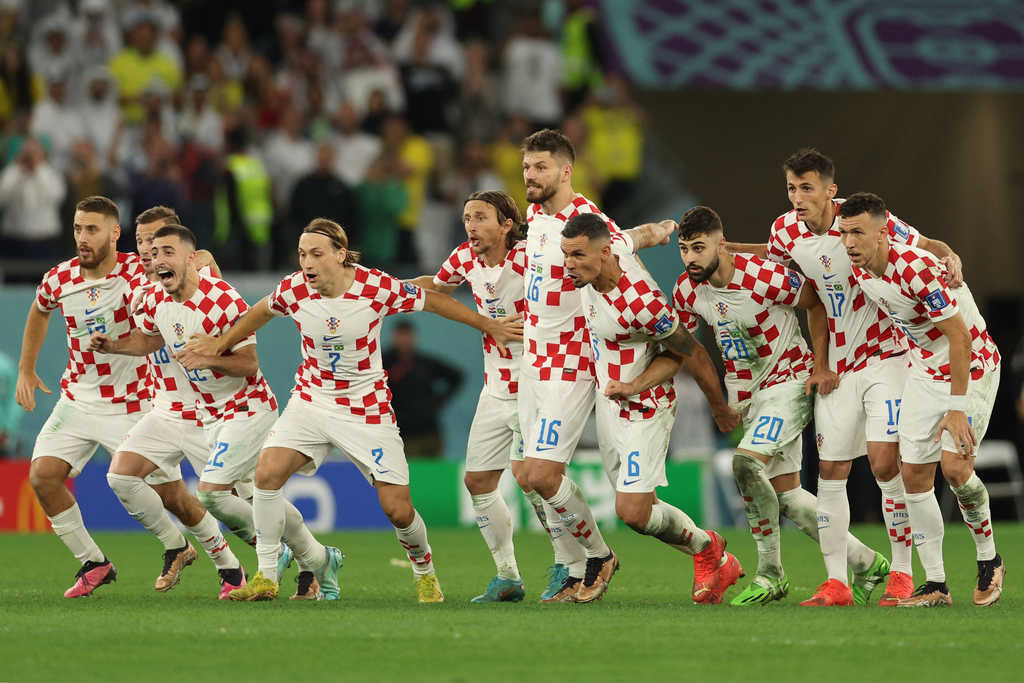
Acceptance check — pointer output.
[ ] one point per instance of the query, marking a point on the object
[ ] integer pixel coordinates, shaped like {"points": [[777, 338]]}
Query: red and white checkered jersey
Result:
{"points": [[498, 292], [556, 341], [341, 364], [857, 328], [912, 290], [754, 324], [625, 326], [103, 384], [212, 309]]}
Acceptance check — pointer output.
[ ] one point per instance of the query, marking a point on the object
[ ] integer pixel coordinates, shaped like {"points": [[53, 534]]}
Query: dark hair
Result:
{"points": [[548, 140], [336, 234], [101, 205], [506, 208], [700, 220], [183, 233], [862, 202], [808, 159], [403, 326], [156, 213], [589, 225]]}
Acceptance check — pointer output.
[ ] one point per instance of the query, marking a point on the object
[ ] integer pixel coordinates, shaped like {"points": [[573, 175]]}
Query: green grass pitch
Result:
{"points": [[646, 628]]}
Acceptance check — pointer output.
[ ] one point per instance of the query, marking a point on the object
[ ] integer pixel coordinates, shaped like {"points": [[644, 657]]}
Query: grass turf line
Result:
{"points": [[645, 628]]}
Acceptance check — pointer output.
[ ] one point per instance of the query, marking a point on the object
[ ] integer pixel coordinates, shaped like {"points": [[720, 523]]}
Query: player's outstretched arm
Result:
{"points": [[759, 250], [948, 257], [204, 259], [427, 282], [651, 234], [252, 320], [955, 420], [699, 366], [663, 368], [503, 330], [822, 378], [242, 362], [138, 343], [31, 343]]}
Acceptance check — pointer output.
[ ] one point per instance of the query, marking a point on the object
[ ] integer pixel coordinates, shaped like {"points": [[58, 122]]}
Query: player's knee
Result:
{"points": [[545, 482], [123, 485], [522, 480], [211, 499], [885, 471], [956, 471], [267, 476], [745, 466], [44, 480], [400, 513], [829, 469], [633, 515]]}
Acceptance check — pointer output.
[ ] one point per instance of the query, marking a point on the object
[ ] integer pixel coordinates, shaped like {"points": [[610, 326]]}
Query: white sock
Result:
{"points": [[310, 554], [414, 541], [833, 511], [145, 507], [207, 532], [897, 521], [973, 500], [244, 490], [568, 552], [578, 518], [762, 506], [926, 520], [68, 525], [801, 506], [268, 513], [671, 525], [234, 512], [495, 522]]}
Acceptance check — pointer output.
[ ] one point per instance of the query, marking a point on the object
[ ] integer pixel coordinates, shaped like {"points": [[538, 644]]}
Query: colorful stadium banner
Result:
{"points": [[338, 497]]}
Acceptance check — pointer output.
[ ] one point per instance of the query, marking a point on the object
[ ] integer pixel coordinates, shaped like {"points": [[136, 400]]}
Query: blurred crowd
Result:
{"points": [[382, 115]]}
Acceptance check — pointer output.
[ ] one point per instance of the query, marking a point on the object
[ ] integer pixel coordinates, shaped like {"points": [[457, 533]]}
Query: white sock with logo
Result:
{"points": [[833, 513], [926, 520], [495, 523], [897, 522]]}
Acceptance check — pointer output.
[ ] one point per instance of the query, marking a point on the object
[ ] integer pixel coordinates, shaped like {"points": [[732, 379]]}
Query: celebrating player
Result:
{"points": [[493, 262], [748, 303], [628, 317], [948, 398], [557, 388], [867, 356], [102, 397], [341, 397]]}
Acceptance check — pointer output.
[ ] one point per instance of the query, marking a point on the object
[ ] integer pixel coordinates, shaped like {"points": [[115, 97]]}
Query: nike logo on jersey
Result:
{"points": [[177, 345], [829, 277], [631, 481], [90, 311], [331, 337], [890, 432], [543, 448]]}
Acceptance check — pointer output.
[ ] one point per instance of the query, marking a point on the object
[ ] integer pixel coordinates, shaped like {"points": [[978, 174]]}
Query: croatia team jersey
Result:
{"points": [[556, 341], [754, 324], [625, 325], [912, 290], [498, 292], [341, 365], [102, 384], [857, 328], [212, 309]]}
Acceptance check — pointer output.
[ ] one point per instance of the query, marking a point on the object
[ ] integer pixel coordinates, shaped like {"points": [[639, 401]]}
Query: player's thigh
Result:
{"points": [[839, 422], [773, 425], [981, 397], [557, 419], [68, 435], [923, 405], [606, 419], [300, 428], [490, 434], [376, 449], [235, 447], [642, 446], [156, 439], [883, 399]]}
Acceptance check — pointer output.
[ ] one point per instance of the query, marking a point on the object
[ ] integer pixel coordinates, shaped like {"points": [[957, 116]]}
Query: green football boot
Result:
{"points": [[762, 590], [863, 584]]}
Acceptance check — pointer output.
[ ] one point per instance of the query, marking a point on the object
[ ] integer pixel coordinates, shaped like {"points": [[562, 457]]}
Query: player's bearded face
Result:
{"points": [[582, 260], [542, 174], [861, 237], [94, 238], [700, 256]]}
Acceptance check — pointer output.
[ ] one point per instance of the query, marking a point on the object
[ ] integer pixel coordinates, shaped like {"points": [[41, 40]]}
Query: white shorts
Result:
{"points": [[864, 407], [377, 450], [165, 441], [925, 403], [72, 434], [233, 447], [494, 436], [639, 447], [552, 415], [773, 424]]}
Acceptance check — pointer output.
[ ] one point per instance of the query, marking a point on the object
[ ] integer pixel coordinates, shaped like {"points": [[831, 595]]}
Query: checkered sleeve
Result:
{"points": [[519, 258], [145, 314], [285, 298], [223, 306], [902, 232], [922, 277], [453, 270], [395, 296], [781, 239], [48, 291], [655, 316], [683, 297], [769, 282]]}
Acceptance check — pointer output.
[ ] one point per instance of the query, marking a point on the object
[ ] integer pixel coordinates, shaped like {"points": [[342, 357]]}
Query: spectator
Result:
{"points": [[226, 95], [101, 116], [415, 161], [136, 66], [616, 141], [85, 174], [56, 123], [533, 75], [15, 84], [587, 176], [322, 194], [244, 206], [366, 64], [51, 50], [31, 192], [382, 198], [288, 156], [507, 156], [233, 53], [479, 113], [355, 149], [581, 53], [199, 120], [160, 183], [96, 33], [197, 55], [429, 84], [167, 21], [428, 37], [420, 387], [391, 20]]}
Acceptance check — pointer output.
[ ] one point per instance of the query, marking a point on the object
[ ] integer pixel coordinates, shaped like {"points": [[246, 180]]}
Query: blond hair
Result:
{"points": [[336, 234]]}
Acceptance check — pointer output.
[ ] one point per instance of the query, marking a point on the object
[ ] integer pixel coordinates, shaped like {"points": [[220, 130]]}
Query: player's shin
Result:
{"points": [[926, 520], [568, 552], [413, 539], [537, 503], [801, 506], [145, 506], [68, 525], [495, 523], [972, 497], [894, 512], [762, 507], [268, 514], [833, 513], [671, 525], [234, 512], [207, 532], [578, 519], [310, 554]]}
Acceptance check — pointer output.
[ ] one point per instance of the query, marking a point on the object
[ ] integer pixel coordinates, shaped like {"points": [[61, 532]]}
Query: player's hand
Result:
{"points": [[137, 296], [955, 422], [663, 231], [506, 330], [202, 345], [824, 381], [99, 343], [25, 392], [954, 271], [726, 418], [619, 391], [191, 360]]}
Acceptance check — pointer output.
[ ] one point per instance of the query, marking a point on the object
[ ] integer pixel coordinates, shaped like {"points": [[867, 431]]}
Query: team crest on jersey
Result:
{"points": [[663, 324], [93, 294], [722, 307], [794, 280], [490, 288], [827, 262], [543, 240], [332, 324], [410, 288], [820, 439], [179, 330], [936, 300], [591, 312]]}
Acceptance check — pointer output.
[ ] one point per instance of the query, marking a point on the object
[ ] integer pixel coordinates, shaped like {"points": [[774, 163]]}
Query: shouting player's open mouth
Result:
{"points": [[166, 276]]}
